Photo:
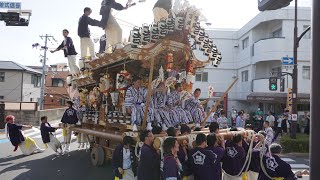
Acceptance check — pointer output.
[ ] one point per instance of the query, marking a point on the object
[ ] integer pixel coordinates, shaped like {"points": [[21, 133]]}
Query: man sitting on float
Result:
{"points": [[134, 102]]}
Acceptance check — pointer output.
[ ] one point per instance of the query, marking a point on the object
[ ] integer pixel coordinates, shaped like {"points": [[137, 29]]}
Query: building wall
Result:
{"points": [[11, 87], [31, 92], [263, 53]]}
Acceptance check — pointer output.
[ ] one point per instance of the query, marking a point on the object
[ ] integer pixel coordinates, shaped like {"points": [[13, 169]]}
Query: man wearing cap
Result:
{"points": [[69, 119], [124, 161], [274, 167]]}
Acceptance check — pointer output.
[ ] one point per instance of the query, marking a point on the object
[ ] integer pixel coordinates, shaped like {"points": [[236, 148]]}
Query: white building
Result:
{"points": [[19, 83], [253, 54]]}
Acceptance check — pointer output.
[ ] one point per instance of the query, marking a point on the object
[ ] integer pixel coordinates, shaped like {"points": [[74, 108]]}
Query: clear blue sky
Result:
{"points": [[51, 16]]}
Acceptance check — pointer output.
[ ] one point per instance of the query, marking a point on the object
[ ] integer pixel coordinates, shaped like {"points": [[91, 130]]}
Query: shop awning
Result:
{"points": [[303, 98]]}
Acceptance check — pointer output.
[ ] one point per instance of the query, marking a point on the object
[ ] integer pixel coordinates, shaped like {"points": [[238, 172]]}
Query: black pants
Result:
{"points": [[278, 131]]}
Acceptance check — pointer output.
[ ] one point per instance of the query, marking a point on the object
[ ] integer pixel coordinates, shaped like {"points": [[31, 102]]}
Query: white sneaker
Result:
{"points": [[40, 150], [134, 128], [57, 153], [149, 127]]}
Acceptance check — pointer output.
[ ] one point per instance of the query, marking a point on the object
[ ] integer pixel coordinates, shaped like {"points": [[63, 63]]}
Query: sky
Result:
{"points": [[52, 16]]}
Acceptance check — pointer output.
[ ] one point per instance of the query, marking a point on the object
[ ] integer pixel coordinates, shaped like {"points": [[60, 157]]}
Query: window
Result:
{"points": [[2, 76], [244, 76], [1, 97], [36, 80], [245, 43], [202, 76], [305, 72], [57, 82], [62, 102], [276, 72], [308, 34], [277, 33]]}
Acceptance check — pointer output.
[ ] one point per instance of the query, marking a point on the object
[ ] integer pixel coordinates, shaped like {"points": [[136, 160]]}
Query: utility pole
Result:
{"points": [[293, 126], [44, 69], [315, 98]]}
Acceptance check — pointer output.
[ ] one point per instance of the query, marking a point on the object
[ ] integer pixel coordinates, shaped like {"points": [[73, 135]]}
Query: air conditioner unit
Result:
{"points": [[236, 44]]}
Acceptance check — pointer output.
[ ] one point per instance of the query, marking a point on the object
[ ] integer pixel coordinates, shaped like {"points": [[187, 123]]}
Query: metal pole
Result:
{"points": [[43, 72], [293, 126], [315, 98]]}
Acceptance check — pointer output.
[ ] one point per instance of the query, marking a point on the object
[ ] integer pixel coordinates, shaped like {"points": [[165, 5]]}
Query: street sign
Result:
{"points": [[287, 61], [294, 117], [10, 5], [287, 67]]}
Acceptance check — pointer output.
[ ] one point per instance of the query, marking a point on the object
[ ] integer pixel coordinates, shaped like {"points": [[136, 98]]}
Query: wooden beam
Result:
{"points": [[218, 102], [144, 123]]}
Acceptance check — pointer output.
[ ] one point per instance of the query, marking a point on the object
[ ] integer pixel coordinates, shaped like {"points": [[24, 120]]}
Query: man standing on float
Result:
{"points": [[162, 9], [110, 25]]}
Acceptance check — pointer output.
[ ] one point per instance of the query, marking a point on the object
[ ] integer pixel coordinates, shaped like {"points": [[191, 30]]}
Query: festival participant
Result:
{"points": [[195, 106], [135, 104], [171, 164], [233, 159], [162, 9], [274, 167], [184, 151], [149, 164], [214, 128], [161, 111], [69, 52], [201, 160], [218, 151], [69, 119], [14, 133], [86, 43], [269, 131], [175, 103], [173, 132], [124, 161], [112, 28], [47, 136]]}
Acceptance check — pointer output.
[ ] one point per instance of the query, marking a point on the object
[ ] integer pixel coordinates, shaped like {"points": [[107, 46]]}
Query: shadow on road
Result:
{"points": [[77, 166]]}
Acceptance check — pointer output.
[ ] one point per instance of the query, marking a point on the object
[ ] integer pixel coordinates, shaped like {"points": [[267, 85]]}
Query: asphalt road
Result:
{"points": [[45, 166]]}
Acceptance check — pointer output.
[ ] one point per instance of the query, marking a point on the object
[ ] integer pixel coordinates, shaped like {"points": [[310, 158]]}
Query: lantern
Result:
{"points": [[179, 23], [169, 62], [171, 24], [135, 37], [122, 80], [163, 28], [82, 65], [155, 31], [69, 80], [145, 34]]}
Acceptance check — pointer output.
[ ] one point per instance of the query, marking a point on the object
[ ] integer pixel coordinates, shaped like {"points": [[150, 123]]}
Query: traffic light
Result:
{"points": [[264, 5], [282, 81], [273, 83], [13, 19]]}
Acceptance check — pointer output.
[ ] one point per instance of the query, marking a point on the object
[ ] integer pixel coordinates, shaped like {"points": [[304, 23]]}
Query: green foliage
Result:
{"points": [[299, 145]]}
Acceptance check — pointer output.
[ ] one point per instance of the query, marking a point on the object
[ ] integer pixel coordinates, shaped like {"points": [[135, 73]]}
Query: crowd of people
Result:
{"points": [[211, 157]]}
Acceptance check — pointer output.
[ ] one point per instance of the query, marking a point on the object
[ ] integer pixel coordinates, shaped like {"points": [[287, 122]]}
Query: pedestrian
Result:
{"points": [[269, 133], [284, 125], [149, 165], [48, 138], [171, 165], [274, 167], [69, 119], [239, 121], [201, 160], [278, 128], [14, 133], [233, 159], [69, 52], [270, 118], [307, 127], [223, 121], [124, 161], [86, 43], [218, 151]]}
